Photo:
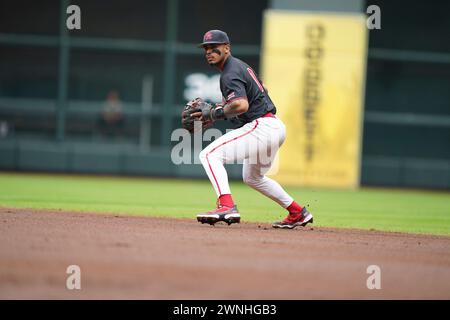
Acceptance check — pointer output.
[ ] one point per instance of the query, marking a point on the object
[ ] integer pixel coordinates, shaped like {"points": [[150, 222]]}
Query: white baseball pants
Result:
{"points": [[255, 145]]}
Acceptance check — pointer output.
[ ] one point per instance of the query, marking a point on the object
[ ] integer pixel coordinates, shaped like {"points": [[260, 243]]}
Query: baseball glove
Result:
{"points": [[192, 112]]}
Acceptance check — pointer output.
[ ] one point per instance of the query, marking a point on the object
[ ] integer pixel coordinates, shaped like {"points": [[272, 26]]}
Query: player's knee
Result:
{"points": [[203, 154], [251, 181], [206, 154]]}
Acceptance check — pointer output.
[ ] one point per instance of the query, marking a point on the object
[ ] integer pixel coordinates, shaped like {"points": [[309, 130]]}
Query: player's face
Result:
{"points": [[215, 53]]}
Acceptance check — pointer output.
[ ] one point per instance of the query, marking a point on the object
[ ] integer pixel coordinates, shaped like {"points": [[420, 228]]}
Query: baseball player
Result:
{"points": [[259, 134]]}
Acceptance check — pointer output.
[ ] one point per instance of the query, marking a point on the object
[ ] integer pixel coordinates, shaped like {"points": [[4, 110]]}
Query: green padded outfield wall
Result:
{"points": [[141, 57]]}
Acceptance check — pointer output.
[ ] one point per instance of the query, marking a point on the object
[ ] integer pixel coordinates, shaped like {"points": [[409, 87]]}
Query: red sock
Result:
{"points": [[226, 200], [294, 208]]}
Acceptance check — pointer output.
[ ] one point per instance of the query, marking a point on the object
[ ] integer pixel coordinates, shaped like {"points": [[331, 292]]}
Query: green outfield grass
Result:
{"points": [[379, 209]]}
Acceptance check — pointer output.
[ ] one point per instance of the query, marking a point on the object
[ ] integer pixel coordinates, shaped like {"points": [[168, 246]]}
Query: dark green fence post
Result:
{"points": [[169, 71], [63, 72]]}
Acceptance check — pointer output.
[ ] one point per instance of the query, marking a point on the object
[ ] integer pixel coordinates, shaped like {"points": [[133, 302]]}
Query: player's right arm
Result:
{"points": [[234, 108], [219, 111], [234, 92]]}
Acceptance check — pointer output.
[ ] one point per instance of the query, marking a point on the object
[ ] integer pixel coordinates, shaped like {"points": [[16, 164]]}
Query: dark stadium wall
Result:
{"points": [[54, 84]]}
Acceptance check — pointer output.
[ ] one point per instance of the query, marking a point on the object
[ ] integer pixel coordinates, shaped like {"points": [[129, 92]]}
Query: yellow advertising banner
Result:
{"points": [[313, 65]]}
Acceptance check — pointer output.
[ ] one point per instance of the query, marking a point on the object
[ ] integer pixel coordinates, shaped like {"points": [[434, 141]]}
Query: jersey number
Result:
{"points": [[252, 74]]}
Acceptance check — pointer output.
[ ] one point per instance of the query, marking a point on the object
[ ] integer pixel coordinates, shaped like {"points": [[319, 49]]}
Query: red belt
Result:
{"points": [[268, 115]]}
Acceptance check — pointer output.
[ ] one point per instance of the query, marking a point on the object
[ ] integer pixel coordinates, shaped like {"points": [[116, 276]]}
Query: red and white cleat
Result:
{"points": [[222, 213], [300, 219]]}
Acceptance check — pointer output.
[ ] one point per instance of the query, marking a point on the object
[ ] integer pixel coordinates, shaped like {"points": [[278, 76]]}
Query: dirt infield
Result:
{"points": [[124, 257]]}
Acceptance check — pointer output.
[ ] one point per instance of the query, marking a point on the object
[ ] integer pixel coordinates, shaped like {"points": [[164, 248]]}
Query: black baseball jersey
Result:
{"points": [[239, 81]]}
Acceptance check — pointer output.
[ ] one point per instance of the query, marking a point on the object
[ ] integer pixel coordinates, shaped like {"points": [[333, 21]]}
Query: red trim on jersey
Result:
{"points": [[269, 115], [252, 74], [222, 144]]}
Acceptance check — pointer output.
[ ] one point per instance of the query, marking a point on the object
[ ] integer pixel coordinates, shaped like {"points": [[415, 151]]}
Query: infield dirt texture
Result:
{"points": [[154, 258]]}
